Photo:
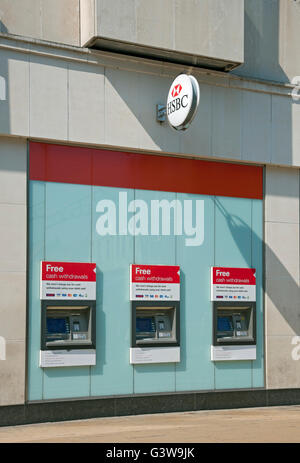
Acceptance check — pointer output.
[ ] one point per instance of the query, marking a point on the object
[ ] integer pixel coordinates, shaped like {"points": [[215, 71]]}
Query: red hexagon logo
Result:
{"points": [[176, 90]]}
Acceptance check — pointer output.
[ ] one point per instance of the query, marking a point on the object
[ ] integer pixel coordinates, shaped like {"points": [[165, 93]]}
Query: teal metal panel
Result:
{"points": [[233, 249], [68, 382], [153, 250], [232, 232], [195, 370], [68, 222], [63, 222], [257, 262], [36, 255], [113, 373], [67, 238], [154, 378], [233, 375]]}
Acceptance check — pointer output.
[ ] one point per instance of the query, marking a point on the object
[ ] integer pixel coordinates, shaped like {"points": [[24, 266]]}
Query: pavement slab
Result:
{"points": [[272, 424]]}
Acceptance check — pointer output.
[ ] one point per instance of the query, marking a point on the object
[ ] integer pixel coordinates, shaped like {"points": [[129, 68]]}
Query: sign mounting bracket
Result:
{"points": [[161, 111]]}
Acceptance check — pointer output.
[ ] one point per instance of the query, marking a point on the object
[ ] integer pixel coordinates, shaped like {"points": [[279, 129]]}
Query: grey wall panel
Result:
{"points": [[13, 237], [197, 139], [271, 40], [13, 165], [95, 98], [116, 19], [155, 23], [295, 133], [282, 290], [13, 200], [52, 20], [12, 374], [282, 371], [48, 98], [60, 21], [155, 136], [208, 28], [226, 122], [282, 130], [256, 127], [282, 253], [13, 13], [289, 20], [86, 103], [282, 195], [14, 101], [282, 303], [122, 108], [87, 20]]}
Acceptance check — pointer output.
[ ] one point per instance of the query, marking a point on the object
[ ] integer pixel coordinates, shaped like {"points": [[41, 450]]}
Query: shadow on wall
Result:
{"points": [[3, 28], [262, 41], [262, 61], [289, 311], [266, 120]]}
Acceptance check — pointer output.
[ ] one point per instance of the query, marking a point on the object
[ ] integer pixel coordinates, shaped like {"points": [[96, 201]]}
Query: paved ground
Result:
{"points": [[274, 424]]}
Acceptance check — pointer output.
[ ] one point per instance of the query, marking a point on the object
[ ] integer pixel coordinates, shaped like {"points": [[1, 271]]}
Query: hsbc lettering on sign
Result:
{"points": [[154, 283], [182, 102], [233, 284]]}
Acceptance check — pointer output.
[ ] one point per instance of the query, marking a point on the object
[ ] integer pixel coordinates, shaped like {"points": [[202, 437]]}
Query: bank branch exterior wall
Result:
{"points": [[63, 226], [85, 167]]}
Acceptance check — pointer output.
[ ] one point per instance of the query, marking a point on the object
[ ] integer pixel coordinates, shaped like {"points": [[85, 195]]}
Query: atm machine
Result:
{"points": [[234, 314], [68, 325], [234, 323], [68, 314], [155, 314], [155, 324]]}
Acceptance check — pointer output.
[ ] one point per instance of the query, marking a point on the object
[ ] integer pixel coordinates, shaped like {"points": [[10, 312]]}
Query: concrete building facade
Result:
{"points": [[80, 80]]}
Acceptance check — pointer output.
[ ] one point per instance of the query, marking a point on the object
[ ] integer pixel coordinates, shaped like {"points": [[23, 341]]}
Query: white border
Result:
{"points": [[226, 353], [67, 358], [142, 355], [238, 292]]}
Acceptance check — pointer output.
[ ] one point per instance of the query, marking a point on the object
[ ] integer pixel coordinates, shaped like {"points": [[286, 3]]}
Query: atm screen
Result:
{"points": [[56, 325], [144, 325], [225, 324]]}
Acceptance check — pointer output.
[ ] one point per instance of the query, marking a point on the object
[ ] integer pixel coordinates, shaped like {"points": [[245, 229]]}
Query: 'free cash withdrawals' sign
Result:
{"points": [[154, 282], [68, 281], [233, 284]]}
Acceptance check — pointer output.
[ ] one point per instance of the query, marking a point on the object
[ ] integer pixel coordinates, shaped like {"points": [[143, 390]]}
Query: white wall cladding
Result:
{"points": [[13, 243], [282, 290]]}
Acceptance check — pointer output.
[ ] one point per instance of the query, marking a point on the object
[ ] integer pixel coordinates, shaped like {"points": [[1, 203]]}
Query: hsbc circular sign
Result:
{"points": [[182, 102]]}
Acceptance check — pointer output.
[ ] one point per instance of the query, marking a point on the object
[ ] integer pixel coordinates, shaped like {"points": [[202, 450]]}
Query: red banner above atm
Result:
{"points": [[154, 282], [233, 284], [68, 281]]}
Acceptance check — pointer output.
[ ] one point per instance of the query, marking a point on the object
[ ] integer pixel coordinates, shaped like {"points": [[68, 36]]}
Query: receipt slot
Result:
{"points": [[68, 314], [234, 314], [155, 314]]}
